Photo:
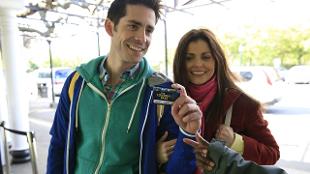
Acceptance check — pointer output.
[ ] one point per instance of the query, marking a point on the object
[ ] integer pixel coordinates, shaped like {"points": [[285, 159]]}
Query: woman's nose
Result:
{"points": [[197, 61]]}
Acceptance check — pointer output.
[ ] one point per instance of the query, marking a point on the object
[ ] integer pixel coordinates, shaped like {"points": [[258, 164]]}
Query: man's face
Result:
{"points": [[132, 36]]}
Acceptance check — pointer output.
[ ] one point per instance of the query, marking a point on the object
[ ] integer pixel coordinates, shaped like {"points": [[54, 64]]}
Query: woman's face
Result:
{"points": [[200, 64]]}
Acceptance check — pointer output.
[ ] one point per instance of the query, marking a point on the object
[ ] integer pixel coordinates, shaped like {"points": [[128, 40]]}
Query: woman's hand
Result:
{"points": [[226, 134], [164, 148], [201, 152]]}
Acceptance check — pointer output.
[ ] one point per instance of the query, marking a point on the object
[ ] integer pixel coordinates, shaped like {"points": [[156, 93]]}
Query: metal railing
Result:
{"points": [[32, 147]]}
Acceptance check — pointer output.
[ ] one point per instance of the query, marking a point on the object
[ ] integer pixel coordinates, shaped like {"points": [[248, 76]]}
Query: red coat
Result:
{"points": [[248, 121]]}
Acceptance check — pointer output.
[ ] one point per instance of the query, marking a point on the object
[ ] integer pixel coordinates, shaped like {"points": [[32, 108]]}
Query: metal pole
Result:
{"points": [[175, 3], [98, 42], [1, 167], [51, 67], [166, 48], [240, 49], [6, 151], [33, 153]]}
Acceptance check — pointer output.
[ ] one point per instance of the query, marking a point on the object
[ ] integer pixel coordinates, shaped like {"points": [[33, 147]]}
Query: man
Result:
{"points": [[106, 120]]}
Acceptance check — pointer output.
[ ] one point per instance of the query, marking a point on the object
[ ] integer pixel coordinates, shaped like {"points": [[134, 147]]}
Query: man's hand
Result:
{"points": [[201, 152], [185, 111], [164, 148]]}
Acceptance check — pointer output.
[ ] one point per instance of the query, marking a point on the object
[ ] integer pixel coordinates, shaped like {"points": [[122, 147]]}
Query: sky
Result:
{"points": [[231, 16], [235, 14]]}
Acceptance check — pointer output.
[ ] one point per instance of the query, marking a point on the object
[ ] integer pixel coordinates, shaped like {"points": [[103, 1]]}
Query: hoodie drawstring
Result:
{"points": [[136, 105], [77, 106]]}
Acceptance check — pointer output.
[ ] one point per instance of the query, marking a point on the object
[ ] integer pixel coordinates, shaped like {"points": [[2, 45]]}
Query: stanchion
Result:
{"points": [[32, 146], [6, 151], [33, 153], [1, 169]]}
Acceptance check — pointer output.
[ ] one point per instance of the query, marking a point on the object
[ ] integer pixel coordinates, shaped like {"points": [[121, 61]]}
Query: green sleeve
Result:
{"points": [[229, 161]]}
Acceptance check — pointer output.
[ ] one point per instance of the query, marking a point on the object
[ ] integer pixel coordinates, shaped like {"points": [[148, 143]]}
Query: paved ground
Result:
{"points": [[41, 116]]}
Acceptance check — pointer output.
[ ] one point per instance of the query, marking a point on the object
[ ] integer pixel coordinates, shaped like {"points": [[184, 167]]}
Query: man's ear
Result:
{"points": [[109, 25]]}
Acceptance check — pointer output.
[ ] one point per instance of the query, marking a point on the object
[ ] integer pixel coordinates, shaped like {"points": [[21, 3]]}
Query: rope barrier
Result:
{"points": [[31, 142]]}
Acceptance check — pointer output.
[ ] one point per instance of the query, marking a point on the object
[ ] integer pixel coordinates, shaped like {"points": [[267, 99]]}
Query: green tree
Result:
{"points": [[261, 46], [32, 66]]}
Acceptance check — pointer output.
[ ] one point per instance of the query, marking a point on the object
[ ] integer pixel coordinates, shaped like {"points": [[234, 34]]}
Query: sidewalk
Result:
{"points": [[40, 118]]}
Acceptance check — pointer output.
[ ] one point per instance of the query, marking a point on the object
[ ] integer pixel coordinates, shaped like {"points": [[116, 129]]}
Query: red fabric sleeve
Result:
{"points": [[259, 144]]}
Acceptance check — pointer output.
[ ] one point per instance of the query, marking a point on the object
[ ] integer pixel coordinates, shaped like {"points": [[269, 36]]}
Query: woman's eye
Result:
{"points": [[207, 56], [188, 57]]}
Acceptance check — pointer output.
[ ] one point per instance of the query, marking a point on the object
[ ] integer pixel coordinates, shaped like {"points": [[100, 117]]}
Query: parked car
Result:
{"points": [[43, 76], [299, 74], [260, 82]]}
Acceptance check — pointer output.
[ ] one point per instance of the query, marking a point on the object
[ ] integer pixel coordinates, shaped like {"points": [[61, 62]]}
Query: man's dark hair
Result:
{"points": [[117, 9]]}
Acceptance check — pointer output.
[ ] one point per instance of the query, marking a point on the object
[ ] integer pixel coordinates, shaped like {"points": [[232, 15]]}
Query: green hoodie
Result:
{"points": [[108, 135]]}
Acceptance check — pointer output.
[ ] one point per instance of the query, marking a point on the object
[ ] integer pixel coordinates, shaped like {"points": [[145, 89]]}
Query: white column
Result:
{"points": [[14, 66], [3, 109]]}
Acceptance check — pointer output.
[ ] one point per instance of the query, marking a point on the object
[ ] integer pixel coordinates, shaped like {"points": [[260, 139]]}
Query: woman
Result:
{"points": [[201, 67]]}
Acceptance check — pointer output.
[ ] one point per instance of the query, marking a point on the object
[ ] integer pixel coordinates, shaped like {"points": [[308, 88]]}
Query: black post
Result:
{"points": [[51, 67]]}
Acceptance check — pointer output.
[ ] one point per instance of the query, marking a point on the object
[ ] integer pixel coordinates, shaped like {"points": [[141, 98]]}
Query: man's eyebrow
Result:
{"points": [[135, 22], [140, 24]]}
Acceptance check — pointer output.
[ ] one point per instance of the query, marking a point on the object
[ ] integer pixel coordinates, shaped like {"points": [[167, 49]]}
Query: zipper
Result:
{"points": [[104, 130], [70, 127], [68, 139], [142, 130], [105, 127], [103, 137]]}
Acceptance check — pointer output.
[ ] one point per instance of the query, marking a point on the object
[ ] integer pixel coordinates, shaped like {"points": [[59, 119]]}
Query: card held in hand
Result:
{"points": [[165, 96]]}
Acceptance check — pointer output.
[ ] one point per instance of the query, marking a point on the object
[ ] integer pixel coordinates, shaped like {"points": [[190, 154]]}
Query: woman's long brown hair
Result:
{"points": [[225, 78]]}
